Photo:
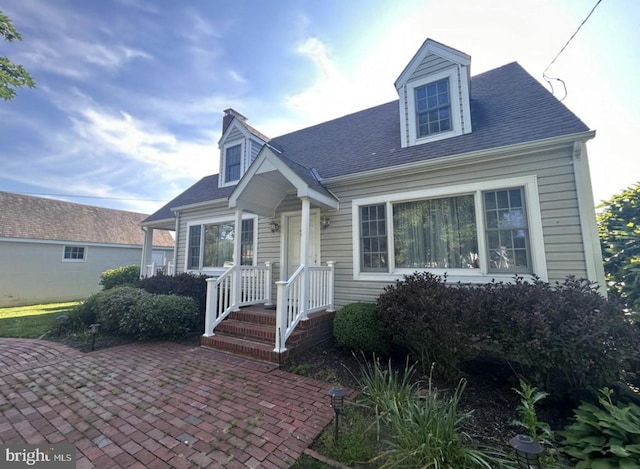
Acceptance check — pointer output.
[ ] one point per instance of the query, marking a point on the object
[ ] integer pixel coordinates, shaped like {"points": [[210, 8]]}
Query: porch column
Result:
{"points": [[147, 251], [237, 239], [304, 254]]}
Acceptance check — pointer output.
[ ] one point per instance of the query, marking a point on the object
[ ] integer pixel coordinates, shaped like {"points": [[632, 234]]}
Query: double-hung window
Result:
{"points": [[210, 245], [481, 231], [433, 108], [233, 159]]}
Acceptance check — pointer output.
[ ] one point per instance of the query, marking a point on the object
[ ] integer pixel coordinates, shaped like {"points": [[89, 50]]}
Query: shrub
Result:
{"points": [[357, 327], [183, 284], [112, 305], [128, 275], [566, 339], [604, 436], [161, 317], [425, 315], [83, 315]]}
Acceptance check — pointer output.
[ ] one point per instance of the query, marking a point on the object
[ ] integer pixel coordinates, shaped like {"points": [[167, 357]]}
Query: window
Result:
{"points": [[433, 108], [373, 238], [480, 231], [507, 233], [436, 233], [232, 163], [74, 254], [211, 245]]}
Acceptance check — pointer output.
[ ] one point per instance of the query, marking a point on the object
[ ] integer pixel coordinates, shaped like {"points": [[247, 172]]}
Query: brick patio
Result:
{"points": [[157, 405]]}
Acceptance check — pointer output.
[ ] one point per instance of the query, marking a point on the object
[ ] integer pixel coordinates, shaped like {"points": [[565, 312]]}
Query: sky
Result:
{"points": [[130, 94]]}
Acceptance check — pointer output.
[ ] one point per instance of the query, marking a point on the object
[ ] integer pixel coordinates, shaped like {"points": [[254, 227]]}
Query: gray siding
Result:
{"points": [[558, 206], [430, 65], [34, 273]]}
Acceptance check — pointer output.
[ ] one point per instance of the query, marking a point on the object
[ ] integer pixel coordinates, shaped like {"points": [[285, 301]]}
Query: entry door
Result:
{"points": [[293, 242]]}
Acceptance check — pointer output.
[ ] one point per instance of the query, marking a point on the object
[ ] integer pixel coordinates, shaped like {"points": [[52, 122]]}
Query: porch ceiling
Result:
{"points": [[265, 192]]}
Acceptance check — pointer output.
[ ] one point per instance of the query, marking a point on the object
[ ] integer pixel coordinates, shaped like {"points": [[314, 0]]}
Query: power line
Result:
{"points": [[90, 197], [544, 74]]}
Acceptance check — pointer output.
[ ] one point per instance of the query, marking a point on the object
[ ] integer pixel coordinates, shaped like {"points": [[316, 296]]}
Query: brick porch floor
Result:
{"points": [[159, 405]]}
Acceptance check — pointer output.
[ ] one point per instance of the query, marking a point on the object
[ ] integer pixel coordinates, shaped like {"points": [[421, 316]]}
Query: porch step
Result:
{"points": [[245, 348], [251, 332]]}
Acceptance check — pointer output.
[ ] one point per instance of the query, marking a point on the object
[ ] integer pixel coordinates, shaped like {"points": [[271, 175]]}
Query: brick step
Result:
{"points": [[253, 332], [246, 348], [255, 315]]}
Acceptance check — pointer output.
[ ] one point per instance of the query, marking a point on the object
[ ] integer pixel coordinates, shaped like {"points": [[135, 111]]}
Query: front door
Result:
{"points": [[292, 242]]}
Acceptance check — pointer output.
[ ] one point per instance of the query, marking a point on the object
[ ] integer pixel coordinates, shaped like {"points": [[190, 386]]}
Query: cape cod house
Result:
{"points": [[480, 178], [54, 251]]}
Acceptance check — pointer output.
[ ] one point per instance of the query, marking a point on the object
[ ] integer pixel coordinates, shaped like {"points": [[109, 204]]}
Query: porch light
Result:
{"points": [[275, 226], [325, 222], [93, 331], [337, 402], [527, 451]]}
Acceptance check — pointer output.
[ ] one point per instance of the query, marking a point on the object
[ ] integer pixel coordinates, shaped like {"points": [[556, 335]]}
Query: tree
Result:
{"points": [[12, 76], [619, 230]]}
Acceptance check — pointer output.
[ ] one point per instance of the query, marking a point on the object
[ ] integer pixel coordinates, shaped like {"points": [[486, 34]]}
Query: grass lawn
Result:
{"points": [[31, 322]]}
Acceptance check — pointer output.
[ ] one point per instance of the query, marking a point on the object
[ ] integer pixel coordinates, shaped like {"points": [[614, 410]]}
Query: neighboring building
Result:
{"points": [[52, 251], [480, 178]]}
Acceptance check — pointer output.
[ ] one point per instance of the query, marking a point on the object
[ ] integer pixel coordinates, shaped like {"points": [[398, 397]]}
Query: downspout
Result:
{"points": [[175, 244]]}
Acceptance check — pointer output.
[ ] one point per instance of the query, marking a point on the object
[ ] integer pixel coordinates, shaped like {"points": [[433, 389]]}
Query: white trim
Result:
{"points": [[205, 203], [85, 252], [77, 243], [222, 182], [463, 159], [588, 224], [230, 218], [481, 275], [450, 74]]}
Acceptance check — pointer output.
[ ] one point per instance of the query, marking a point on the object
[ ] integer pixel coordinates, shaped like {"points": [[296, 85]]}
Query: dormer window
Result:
{"points": [[434, 95], [233, 163], [433, 108]]}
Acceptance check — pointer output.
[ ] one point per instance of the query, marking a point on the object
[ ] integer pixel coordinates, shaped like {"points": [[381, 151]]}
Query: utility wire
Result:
{"points": [[544, 74]]}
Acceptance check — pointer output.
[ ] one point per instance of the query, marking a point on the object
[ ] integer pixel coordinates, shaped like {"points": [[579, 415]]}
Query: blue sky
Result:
{"points": [[131, 92]]}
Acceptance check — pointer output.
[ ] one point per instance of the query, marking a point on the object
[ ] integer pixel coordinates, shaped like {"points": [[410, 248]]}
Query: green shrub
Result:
{"points": [[128, 275], [605, 436], [112, 305], [161, 317], [357, 327], [566, 339], [425, 315], [183, 284]]}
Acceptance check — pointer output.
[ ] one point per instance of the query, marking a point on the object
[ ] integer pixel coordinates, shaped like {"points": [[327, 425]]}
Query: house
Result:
{"points": [[480, 178], [53, 251]]}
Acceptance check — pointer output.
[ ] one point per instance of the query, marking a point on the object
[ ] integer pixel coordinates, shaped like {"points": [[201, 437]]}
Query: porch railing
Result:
{"points": [[155, 269], [225, 294], [292, 294]]}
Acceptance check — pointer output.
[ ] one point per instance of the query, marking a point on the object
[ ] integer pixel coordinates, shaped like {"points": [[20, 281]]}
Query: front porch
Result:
{"points": [[242, 319]]}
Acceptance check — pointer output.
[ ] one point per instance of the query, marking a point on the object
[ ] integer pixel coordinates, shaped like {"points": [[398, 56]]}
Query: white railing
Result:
{"points": [[155, 269], [292, 294], [224, 296]]}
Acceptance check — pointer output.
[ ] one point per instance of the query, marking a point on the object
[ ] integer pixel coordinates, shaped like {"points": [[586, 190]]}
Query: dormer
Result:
{"points": [[434, 92], [239, 145]]}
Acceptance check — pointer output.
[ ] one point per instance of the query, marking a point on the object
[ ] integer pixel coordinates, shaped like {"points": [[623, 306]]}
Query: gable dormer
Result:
{"points": [[239, 145], [434, 92]]}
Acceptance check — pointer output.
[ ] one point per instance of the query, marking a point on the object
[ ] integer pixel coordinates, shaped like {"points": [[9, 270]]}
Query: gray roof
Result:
{"points": [[28, 217], [508, 107]]}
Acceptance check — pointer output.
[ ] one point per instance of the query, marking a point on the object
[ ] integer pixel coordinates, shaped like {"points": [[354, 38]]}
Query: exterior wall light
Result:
{"points": [[337, 402], [527, 451], [325, 222], [275, 226]]}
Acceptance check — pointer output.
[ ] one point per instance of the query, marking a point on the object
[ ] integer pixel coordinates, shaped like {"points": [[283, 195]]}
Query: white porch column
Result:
{"points": [[304, 254], [147, 251], [237, 258]]}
